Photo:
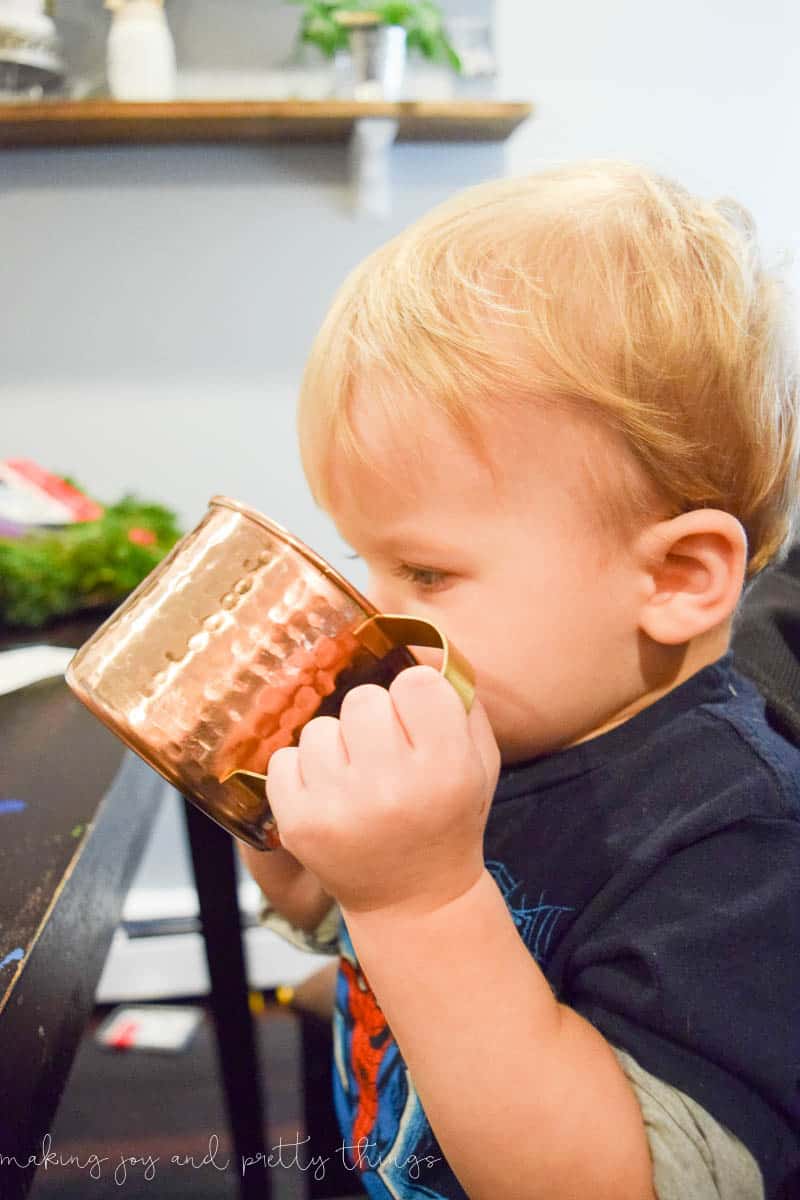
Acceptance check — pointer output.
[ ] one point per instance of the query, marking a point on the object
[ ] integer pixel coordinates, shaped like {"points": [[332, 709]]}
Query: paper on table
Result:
{"points": [[28, 664], [167, 1027]]}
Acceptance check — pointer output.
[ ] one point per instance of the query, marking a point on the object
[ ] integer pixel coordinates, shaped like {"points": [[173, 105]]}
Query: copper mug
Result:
{"points": [[228, 648]]}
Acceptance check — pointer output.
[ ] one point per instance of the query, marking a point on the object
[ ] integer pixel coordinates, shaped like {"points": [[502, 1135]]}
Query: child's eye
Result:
{"points": [[426, 578]]}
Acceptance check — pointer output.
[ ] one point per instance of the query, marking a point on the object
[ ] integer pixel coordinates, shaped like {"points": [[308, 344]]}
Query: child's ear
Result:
{"points": [[695, 566]]}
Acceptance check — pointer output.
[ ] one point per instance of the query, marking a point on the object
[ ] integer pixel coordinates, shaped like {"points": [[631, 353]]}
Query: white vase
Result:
{"points": [[140, 52]]}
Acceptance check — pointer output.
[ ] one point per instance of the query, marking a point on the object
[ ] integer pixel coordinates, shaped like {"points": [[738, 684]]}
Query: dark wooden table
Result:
{"points": [[75, 812]]}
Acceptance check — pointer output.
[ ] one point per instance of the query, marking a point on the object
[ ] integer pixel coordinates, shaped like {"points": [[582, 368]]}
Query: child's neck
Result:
{"points": [[665, 668]]}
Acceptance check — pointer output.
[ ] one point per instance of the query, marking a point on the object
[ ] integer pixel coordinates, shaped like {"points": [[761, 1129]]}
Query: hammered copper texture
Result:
{"points": [[222, 655]]}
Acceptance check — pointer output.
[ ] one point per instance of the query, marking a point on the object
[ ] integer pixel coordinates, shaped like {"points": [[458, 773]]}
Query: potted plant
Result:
{"points": [[327, 24]]}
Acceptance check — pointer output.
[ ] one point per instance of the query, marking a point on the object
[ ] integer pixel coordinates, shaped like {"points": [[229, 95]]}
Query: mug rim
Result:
{"points": [[296, 543]]}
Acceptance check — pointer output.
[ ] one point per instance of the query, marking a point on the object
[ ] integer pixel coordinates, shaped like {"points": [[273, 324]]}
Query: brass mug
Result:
{"points": [[228, 648]]}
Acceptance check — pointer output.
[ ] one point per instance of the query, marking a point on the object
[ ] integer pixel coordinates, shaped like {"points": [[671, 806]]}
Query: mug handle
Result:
{"points": [[379, 635], [385, 631]]}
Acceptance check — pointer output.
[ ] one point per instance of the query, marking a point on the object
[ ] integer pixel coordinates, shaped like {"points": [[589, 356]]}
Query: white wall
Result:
{"points": [[158, 302], [158, 305], [706, 91]]}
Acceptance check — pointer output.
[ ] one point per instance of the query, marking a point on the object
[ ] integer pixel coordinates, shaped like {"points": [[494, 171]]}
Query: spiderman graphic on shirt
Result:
{"points": [[386, 1137]]}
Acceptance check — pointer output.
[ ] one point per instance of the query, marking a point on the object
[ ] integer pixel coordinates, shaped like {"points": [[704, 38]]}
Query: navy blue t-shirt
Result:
{"points": [[654, 874]]}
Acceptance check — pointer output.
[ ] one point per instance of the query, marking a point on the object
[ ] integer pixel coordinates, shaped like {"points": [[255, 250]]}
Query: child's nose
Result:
{"points": [[376, 593], [383, 594]]}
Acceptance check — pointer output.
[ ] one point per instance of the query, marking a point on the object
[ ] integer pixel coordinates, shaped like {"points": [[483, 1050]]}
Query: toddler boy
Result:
{"points": [[559, 418]]}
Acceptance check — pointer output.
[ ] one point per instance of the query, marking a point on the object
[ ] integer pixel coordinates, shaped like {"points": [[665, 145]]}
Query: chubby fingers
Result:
{"points": [[371, 727], [426, 703], [284, 783], [299, 782], [321, 751], [320, 754], [485, 743], [421, 715], [431, 712]]}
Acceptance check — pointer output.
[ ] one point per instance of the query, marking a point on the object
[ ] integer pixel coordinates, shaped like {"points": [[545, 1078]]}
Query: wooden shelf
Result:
{"points": [[104, 122]]}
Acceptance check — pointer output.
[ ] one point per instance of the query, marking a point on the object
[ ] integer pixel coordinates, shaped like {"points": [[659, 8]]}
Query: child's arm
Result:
{"points": [[526, 1098], [290, 887]]}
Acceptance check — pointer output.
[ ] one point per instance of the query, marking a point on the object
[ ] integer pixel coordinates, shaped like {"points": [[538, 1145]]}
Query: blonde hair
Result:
{"points": [[598, 285]]}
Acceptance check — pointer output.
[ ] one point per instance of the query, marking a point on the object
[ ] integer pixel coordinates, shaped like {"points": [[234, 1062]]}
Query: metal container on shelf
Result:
{"points": [[378, 56]]}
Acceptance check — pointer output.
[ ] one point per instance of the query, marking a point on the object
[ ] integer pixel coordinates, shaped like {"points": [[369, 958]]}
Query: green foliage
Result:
{"points": [[49, 574], [421, 19]]}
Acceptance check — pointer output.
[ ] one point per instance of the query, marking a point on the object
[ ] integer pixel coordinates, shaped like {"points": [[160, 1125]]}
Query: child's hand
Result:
{"points": [[386, 805]]}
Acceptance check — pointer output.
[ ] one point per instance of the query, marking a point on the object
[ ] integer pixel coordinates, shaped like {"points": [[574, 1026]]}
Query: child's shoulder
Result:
{"points": [[686, 953], [761, 745], [729, 747]]}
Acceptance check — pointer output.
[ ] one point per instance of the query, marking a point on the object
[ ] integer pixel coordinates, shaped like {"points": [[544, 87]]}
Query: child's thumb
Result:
{"points": [[485, 743]]}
